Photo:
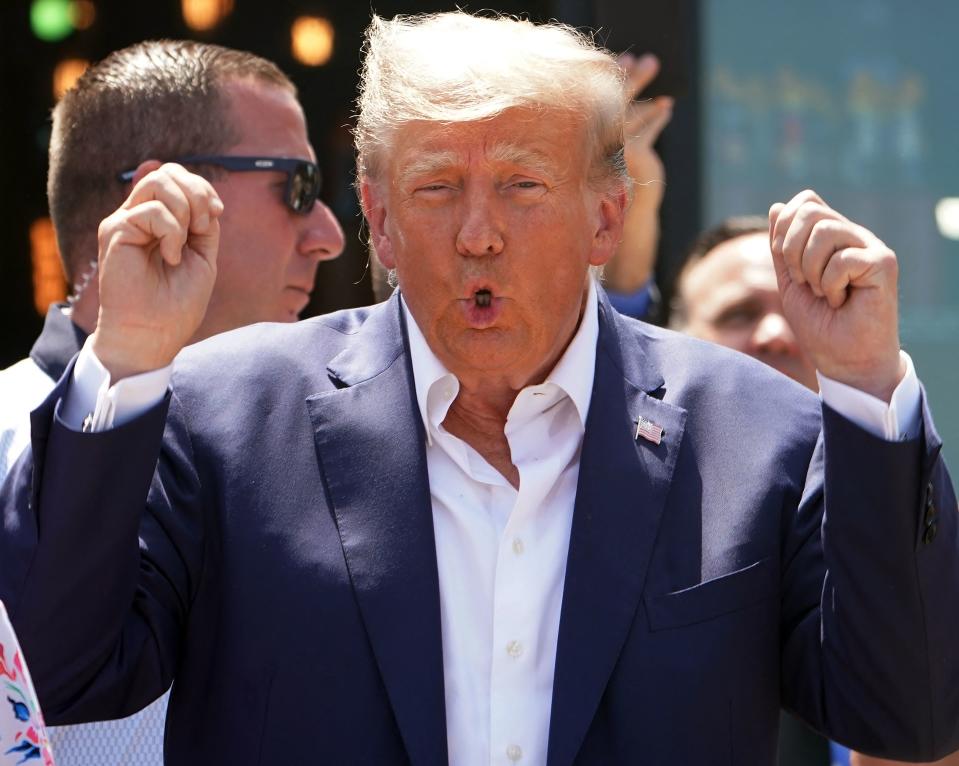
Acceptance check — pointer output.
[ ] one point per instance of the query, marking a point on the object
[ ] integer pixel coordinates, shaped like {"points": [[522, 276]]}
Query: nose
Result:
{"points": [[480, 231], [774, 335], [321, 237]]}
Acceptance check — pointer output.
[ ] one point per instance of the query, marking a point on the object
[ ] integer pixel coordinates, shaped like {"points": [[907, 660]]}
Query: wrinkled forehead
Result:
{"points": [[736, 256], [739, 265], [528, 138]]}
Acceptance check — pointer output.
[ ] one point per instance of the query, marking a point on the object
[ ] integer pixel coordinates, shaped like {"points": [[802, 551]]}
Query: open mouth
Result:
{"points": [[482, 308]]}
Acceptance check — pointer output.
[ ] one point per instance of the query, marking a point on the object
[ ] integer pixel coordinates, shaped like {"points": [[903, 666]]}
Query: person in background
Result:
{"points": [[727, 293], [628, 277], [235, 118]]}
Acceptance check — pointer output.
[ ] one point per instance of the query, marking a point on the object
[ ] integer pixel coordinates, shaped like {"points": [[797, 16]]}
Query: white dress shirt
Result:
{"points": [[23, 387], [133, 741], [501, 552]]}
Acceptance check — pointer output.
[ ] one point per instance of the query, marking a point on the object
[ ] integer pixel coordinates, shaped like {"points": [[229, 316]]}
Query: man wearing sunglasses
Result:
{"points": [[233, 118]]}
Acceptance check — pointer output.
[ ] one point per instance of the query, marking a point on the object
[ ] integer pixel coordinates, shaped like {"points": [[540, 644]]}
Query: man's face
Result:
{"points": [[491, 227], [268, 254], [732, 299]]}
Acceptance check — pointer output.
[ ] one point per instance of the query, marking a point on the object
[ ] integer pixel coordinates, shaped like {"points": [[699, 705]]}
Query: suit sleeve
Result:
{"points": [[871, 595], [102, 584]]}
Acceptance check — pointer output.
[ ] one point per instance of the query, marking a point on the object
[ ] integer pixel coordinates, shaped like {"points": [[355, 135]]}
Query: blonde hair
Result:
{"points": [[455, 67]]}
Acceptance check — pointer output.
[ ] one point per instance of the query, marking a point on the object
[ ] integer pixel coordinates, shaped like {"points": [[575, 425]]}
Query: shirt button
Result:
{"points": [[514, 753], [518, 546], [514, 649]]}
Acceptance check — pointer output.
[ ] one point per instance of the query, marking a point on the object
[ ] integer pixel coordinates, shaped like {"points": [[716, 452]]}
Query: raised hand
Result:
{"points": [[838, 287], [157, 269], [645, 119]]}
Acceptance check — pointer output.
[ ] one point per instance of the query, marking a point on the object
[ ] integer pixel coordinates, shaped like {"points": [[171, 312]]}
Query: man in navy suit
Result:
{"points": [[165, 99], [490, 520]]}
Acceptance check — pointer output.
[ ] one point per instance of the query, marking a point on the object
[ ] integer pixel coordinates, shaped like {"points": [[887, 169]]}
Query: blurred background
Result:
{"points": [[858, 100]]}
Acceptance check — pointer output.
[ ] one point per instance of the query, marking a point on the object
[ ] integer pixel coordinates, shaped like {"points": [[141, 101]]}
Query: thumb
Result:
{"points": [[779, 261], [206, 244], [774, 212]]}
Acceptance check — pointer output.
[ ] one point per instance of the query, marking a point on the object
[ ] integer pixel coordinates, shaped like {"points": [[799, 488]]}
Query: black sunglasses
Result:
{"points": [[302, 176]]}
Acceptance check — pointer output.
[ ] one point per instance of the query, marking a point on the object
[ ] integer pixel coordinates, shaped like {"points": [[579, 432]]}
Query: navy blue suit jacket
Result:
{"points": [[285, 578]]}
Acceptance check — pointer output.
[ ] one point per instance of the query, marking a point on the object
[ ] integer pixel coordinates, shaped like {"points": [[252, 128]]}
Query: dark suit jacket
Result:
{"points": [[286, 578]]}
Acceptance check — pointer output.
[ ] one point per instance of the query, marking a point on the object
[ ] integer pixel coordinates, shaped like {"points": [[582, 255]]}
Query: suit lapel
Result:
{"points": [[623, 483], [370, 446]]}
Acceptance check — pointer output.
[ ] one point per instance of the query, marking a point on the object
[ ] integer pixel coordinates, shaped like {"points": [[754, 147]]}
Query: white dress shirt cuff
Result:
{"points": [[897, 421], [92, 404]]}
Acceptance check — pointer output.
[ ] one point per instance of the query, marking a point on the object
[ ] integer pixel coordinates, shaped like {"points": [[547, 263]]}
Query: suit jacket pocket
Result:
{"points": [[707, 600]]}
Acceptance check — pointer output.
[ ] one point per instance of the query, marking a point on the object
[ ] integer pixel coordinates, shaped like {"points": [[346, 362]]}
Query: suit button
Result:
{"points": [[930, 534], [930, 506]]}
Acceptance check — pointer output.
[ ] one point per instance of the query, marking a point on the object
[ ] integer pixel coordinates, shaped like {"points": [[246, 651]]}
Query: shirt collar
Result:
{"points": [[576, 368], [58, 343], [436, 386]]}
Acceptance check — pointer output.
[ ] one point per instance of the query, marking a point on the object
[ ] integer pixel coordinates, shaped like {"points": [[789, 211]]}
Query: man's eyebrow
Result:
{"points": [[428, 163], [524, 156]]}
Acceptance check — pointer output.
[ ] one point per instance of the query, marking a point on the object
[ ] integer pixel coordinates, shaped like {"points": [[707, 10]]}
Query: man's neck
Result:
{"points": [[479, 419], [84, 312]]}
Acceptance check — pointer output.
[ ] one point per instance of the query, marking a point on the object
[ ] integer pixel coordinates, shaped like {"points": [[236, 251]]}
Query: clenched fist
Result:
{"points": [[157, 265], [838, 283]]}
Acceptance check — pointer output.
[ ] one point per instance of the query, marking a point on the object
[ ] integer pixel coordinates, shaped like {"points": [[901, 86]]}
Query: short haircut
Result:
{"points": [[153, 100], [455, 67], [705, 243]]}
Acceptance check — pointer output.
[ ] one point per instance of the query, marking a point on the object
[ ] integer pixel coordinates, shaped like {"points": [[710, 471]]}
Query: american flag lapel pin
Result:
{"points": [[648, 430]]}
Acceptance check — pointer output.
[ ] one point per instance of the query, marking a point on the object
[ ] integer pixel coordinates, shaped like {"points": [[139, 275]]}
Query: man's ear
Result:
{"points": [[609, 225], [373, 201]]}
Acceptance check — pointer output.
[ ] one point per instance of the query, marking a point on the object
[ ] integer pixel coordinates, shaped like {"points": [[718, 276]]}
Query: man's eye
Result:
{"points": [[736, 317], [433, 188]]}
